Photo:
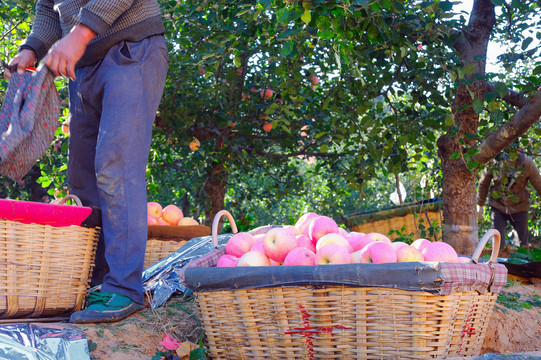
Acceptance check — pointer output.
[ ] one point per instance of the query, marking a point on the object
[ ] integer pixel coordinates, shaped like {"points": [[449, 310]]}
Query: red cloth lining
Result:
{"points": [[28, 212]]}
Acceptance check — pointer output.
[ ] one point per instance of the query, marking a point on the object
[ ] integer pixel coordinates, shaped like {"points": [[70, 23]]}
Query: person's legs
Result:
{"points": [[519, 221], [126, 89], [499, 222]]}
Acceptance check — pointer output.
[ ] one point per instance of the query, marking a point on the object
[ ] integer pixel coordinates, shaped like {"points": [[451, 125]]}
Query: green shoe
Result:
{"points": [[105, 307]]}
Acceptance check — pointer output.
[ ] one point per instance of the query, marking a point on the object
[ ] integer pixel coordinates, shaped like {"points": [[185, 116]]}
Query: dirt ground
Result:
{"points": [[515, 327]]}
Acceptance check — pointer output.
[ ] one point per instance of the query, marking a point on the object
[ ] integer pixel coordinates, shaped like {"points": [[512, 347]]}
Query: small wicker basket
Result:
{"points": [[361, 318], [45, 269]]}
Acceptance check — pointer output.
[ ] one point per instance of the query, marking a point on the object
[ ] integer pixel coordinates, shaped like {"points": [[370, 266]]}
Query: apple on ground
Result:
{"points": [[305, 242], [439, 251], [187, 221], [354, 238], [278, 242], [303, 222], [376, 252], [172, 214], [332, 254], [239, 244], [227, 260], [333, 238], [151, 220], [408, 253], [154, 209], [419, 244], [321, 225], [300, 256], [253, 258]]}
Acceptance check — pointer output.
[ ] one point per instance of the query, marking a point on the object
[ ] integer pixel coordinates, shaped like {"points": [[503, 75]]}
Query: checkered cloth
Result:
{"points": [[483, 277], [210, 259], [28, 120]]}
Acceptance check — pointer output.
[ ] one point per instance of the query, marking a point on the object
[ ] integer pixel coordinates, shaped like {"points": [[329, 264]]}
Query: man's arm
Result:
{"points": [[533, 174]]}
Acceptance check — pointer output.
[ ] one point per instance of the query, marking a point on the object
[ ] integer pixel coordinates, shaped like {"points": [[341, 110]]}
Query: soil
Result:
{"points": [[515, 327]]}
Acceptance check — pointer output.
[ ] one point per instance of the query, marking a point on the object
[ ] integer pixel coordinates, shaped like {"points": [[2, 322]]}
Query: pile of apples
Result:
{"points": [[318, 240], [168, 215]]}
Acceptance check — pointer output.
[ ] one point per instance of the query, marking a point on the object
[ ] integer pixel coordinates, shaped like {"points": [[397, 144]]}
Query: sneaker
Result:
{"points": [[105, 307]]}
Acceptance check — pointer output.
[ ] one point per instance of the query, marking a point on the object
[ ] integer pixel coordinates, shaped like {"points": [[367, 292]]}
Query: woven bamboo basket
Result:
{"points": [[414, 219], [341, 321], [164, 240], [45, 270]]}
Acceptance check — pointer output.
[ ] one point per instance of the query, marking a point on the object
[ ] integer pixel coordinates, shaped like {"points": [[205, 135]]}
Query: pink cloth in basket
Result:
{"points": [[28, 212]]}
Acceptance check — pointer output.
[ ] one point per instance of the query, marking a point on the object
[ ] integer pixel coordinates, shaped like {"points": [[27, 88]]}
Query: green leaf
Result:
{"points": [[455, 155], [282, 15], [526, 42], [537, 70], [324, 148], [473, 164], [478, 105], [472, 152], [497, 2], [287, 48], [237, 61], [306, 17]]}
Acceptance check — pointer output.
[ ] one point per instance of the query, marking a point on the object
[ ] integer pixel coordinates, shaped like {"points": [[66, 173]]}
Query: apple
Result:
{"points": [[187, 221], [354, 238], [342, 232], [275, 263], [239, 244], [278, 242], [172, 214], [267, 126], [151, 220], [408, 253], [420, 244], [266, 94], [303, 222], [292, 228], [314, 79], [227, 260], [195, 144], [398, 244], [161, 221], [377, 237], [439, 251], [321, 225], [299, 256], [464, 259], [332, 254], [377, 252], [305, 242], [333, 238], [154, 209], [258, 245], [253, 258]]}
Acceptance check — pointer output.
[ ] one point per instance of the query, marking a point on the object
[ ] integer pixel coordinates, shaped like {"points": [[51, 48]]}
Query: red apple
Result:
{"points": [[342, 232], [314, 79], [258, 245], [154, 209], [253, 258], [267, 127], [239, 244], [299, 256], [354, 240], [151, 220], [161, 221], [332, 254], [172, 214], [420, 244], [227, 260], [377, 237], [278, 242], [333, 238], [439, 251], [292, 228], [266, 94], [275, 263], [398, 244], [187, 221], [377, 252], [303, 222], [408, 253], [305, 242], [321, 225]]}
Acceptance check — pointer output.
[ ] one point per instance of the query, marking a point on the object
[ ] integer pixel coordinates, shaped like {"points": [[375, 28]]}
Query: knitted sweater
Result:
{"points": [[112, 20], [513, 197]]}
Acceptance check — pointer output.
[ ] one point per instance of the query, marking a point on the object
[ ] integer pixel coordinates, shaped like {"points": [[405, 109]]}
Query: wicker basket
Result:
{"points": [[410, 217], [164, 240], [45, 269], [331, 321]]}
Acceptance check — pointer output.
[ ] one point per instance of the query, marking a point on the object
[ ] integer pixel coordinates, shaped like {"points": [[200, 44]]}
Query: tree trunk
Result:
{"points": [[215, 189]]}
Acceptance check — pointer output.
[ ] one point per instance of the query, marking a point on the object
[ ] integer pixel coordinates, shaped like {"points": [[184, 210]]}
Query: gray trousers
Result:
{"points": [[519, 221], [113, 105]]}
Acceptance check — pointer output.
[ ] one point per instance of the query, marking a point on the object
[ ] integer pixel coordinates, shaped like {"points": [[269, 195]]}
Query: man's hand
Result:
{"points": [[24, 59], [66, 52]]}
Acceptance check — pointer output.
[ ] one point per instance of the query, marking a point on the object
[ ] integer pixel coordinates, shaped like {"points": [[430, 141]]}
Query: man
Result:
{"points": [[115, 54], [509, 198]]}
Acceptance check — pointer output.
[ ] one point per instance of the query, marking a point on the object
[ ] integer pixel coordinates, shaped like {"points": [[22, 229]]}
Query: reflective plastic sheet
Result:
{"points": [[34, 341]]}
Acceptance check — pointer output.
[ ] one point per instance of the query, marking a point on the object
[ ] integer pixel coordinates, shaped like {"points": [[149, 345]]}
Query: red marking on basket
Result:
{"points": [[308, 331], [467, 329]]}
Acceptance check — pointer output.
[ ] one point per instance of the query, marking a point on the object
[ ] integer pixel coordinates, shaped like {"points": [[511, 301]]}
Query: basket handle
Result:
{"points": [[216, 221], [72, 197], [496, 238]]}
